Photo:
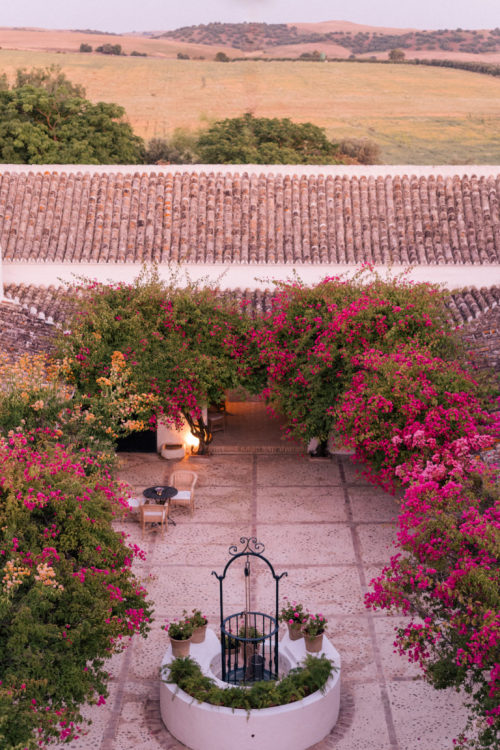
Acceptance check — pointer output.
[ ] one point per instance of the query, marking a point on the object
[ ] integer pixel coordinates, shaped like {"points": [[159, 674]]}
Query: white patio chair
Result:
{"points": [[184, 481]]}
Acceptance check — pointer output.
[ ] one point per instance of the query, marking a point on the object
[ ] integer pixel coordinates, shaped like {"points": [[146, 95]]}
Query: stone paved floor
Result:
{"points": [[332, 532]]}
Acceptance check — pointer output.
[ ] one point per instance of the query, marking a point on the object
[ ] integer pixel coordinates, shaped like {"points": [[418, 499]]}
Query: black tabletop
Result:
{"points": [[161, 493]]}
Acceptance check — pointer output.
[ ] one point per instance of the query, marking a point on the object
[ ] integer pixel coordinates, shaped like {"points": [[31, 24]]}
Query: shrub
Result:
{"points": [[262, 140], [298, 684], [307, 341], [396, 55], [179, 346], [110, 49], [180, 148], [364, 151], [68, 599], [379, 362]]}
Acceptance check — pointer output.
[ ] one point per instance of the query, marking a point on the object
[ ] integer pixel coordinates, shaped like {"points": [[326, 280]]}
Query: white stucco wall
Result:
{"points": [[256, 276]]}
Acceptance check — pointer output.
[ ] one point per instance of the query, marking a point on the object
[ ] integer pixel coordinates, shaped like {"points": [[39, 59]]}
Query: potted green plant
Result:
{"points": [[313, 632], [294, 616], [180, 633], [199, 623], [250, 647]]}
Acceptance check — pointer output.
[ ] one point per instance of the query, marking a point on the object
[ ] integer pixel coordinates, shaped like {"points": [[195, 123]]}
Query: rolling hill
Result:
{"points": [[336, 39]]}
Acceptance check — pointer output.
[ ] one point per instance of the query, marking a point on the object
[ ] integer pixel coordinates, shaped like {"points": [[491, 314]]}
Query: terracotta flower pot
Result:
{"points": [[294, 631], [199, 634], [314, 643], [180, 648]]}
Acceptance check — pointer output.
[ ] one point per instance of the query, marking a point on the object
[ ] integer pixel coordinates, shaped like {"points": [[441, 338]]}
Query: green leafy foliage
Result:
{"points": [[179, 344], [68, 598], [261, 140], [298, 683], [110, 49], [44, 118]]}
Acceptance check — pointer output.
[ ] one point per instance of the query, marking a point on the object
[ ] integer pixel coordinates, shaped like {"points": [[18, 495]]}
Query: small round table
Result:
{"points": [[161, 494]]}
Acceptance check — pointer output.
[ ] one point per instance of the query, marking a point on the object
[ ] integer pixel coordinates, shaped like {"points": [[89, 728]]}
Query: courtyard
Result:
{"points": [[323, 524]]}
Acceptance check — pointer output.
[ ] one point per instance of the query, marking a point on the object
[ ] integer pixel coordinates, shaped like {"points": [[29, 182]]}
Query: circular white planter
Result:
{"points": [[172, 453], [295, 726]]}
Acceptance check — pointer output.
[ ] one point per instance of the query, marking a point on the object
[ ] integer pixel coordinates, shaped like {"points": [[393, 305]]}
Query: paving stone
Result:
{"points": [[335, 587], [291, 471], [372, 504], [146, 471], [377, 543], [394, 666], [303, 505], [351, 638], [222, 471], [366, 730], [194, 586], [425, 718], [307, 544], [352, 473], [225, 504], [197, 545]]}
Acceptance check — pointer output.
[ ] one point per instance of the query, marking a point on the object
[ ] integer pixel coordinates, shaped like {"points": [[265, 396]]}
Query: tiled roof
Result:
{"points": [[55, 304], [22, 332], [470, 304], [52, 304], [210, 217]]}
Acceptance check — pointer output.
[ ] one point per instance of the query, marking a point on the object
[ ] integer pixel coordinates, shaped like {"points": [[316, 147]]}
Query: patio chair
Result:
{"points": [[155, 516], [217, 421], [134, 505], [184, 481]]}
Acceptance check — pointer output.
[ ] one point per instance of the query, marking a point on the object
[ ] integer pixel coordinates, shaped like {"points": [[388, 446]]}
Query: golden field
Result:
{"points": [[417, 114]]}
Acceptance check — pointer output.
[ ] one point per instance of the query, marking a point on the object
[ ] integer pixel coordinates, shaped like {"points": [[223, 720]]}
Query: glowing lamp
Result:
{"points": [[192, 442]]}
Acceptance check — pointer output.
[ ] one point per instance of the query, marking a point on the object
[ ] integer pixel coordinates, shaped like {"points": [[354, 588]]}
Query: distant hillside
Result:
{"points": [[249, 37], [335, 39]]}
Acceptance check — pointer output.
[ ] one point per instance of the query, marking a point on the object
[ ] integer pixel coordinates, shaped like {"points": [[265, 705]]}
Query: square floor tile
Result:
{"points": [[302, 504], [377, 543], [372, 504], [294, 471], [425, 718], [309, 544]]}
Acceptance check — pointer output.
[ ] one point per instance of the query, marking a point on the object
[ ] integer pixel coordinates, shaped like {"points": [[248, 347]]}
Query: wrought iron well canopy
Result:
{"points": [[249, 639]]}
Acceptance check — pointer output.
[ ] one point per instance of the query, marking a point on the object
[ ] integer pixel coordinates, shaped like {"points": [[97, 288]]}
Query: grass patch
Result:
{"points": [[417, 114]]}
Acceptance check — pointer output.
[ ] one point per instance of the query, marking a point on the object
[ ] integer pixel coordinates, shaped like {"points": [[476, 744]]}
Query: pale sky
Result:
{"points": [[141, 15]]}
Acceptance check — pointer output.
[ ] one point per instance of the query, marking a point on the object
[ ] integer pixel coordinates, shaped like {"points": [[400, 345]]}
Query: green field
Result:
{"points": [[418, 115]]}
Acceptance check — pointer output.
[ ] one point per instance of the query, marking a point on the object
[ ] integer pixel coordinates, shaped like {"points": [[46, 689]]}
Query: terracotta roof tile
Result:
{"points": [[23, 331], [471, 303], [226, 218]]}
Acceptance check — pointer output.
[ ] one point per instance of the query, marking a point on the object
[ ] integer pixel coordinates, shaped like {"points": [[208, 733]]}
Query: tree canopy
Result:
{"points": [[262, 140], [44, 118]]}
